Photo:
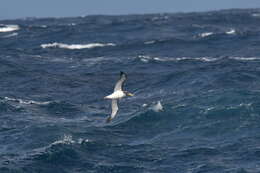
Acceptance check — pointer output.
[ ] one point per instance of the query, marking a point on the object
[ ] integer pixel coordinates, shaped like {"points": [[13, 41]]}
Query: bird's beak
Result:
{"points": [[130, 94]]}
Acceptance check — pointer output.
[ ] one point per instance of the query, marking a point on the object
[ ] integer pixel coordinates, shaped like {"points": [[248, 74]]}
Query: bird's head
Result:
{"points": [[128, 93]]}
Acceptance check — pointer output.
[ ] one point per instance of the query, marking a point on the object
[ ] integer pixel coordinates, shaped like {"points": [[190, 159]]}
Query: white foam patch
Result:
{"points": [[27, 102], [157, 107], [256, 14], [9, 28], [245, 58], [150, 42], [67, 139], [232, 31], [72, 24], [144, 105], [206, 34], [246, 105], [76, 46], [205, 59], [146, 59]]}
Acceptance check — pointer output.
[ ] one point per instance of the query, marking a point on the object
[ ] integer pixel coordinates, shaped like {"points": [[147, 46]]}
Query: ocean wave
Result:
{"points": [[27, 102], [232, 31], [72, 24], [204, 59], [256, 14], [11, 35], [150, 42], [206, 34], [67, 139], [56, 146], [76, 46], [145, 58], [157, 107], [9, 28], [245, 58]]}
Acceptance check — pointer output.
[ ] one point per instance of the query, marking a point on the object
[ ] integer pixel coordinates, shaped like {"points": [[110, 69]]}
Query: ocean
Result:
{"points": [[195, 79]]}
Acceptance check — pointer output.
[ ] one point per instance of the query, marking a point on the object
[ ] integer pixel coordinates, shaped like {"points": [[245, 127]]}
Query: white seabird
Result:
{"points": [[117, 94]]}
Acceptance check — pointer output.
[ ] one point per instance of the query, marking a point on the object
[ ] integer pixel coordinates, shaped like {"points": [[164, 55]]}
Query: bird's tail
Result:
{"points": [[108, 119]]}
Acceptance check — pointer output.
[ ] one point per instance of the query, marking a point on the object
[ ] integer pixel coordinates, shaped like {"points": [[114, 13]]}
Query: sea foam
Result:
{"points": [[146, 59], [206, 34], [27, 102], [9, 28], [67, 139], [157, 107], [245, 58], [232, 31], [76, 46]]}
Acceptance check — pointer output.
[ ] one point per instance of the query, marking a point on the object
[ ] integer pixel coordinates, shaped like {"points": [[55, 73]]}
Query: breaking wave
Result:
{"points": [[9, 28], [27, 102], [206, 34], [145, 58], [232, 31], [76, 46]]}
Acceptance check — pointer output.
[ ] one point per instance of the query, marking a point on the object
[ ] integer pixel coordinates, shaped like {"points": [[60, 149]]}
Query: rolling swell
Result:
{"points": [[203, 68]]}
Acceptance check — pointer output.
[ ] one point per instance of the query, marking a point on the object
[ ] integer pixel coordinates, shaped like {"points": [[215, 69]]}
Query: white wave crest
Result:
{"points": [[67, 139], [206, 34], [145, 58], [256, 14], [9, 28], [204, 59], [232, 31], [157, 107], [27, 102], [150, 42], [76, 46], [245, 58]]}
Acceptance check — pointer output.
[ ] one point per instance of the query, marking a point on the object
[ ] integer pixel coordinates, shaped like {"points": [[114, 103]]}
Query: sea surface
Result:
{"points": [[195, 76]]}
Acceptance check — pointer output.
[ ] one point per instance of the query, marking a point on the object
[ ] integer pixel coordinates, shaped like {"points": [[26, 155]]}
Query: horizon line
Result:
{"points": [[128, 14]]}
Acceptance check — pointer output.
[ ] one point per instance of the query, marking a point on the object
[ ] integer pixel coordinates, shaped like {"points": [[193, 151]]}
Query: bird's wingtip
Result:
{"points": [[108, 120]]}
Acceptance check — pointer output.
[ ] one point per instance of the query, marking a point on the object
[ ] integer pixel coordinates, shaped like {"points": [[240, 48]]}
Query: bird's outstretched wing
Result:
{"points": [[114, 110], [120, 82]]}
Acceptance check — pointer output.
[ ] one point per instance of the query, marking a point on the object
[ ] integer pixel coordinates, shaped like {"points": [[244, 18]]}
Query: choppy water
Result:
{"points": [[204, 68]]}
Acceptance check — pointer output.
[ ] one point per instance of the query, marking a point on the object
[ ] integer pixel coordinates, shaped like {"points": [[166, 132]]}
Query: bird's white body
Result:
{"points": [[116, 95]]}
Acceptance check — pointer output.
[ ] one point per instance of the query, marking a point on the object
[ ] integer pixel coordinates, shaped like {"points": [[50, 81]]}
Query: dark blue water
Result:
{"points": [[204, 68]]}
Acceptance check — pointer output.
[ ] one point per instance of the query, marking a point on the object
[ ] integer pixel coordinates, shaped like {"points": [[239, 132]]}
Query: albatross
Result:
{"points": [[118, 93]]}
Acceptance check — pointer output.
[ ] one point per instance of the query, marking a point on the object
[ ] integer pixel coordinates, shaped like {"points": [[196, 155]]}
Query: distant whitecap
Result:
{"points": [[256, 14], [146, 59], [232, 31], [68, 139], [206, 34], [245, 58], [150, 42], [157, 107], [144, 105], [27, 102], [76, 46], [9, 28]]}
